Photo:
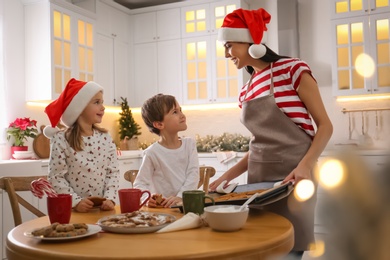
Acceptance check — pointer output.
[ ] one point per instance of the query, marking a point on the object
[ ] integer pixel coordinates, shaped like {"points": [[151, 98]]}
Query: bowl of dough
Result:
{"points": [[226, 218]]}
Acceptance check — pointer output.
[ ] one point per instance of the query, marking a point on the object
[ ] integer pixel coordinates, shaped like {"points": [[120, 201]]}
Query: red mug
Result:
{"points": [[59, 208], [130, 199]]}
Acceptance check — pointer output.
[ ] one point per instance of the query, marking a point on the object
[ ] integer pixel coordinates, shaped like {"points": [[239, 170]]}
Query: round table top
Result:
{"points": [[263, 235]]}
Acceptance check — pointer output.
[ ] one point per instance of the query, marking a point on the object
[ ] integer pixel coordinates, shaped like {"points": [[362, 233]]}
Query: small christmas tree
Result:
{"points": [[127, 125]]}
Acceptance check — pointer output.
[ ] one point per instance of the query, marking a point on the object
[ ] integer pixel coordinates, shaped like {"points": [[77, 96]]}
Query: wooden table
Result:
{"points": [[263, 235]]}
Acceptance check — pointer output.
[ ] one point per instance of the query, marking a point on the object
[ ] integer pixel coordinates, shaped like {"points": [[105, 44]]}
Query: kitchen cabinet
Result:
{"points": [[157, 70], [112, 53], [208, 77], [361, 40], [157, 26], [157, 56], [112, 57], [350, 8], [59, 45]]}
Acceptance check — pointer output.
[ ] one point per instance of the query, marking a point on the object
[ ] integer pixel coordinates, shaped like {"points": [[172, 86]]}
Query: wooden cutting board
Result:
{"points": [[41, 145]]}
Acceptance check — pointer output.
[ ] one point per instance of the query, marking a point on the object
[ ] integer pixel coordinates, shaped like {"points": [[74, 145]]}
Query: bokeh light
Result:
{"points": [[365, 65], [317, 249], [332, 173], [304, 190]]}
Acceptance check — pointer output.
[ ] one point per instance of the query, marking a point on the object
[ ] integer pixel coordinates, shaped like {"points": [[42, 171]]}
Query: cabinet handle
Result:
{"points": [[127, 162]]}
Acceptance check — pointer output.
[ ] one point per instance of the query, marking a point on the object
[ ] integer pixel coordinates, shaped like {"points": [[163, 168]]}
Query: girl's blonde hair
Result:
{"points": [[74, 138]]}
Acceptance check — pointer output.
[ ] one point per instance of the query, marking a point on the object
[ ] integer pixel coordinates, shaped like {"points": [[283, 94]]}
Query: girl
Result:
{"points": [[83, 158], [278, 105]]}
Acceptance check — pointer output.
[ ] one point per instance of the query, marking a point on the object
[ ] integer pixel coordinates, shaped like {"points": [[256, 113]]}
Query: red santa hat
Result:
{"points": [[246, 26], [70, 104]]}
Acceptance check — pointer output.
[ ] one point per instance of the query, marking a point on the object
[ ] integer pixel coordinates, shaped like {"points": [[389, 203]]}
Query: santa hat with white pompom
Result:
{"points": [[70, 104], [246, 26]]}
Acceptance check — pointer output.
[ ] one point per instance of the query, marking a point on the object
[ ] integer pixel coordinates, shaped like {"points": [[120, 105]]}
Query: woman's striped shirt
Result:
{"points": [[286, 77]]}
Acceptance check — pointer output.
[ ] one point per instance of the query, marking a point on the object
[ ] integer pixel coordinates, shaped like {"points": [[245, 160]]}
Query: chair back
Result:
{"points": [[12, 185], [205, 173], [130, 176]]}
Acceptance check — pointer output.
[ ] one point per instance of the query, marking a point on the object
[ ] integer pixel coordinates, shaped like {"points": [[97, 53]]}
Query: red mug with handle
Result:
{"points": [[130, 199]]}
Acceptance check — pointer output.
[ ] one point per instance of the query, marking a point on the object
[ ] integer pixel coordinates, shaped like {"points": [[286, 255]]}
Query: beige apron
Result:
{"points": [[276, 148]]}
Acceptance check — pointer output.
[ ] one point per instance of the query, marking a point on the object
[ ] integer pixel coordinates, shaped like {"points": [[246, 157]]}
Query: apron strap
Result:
{"points": [[271, 87]]}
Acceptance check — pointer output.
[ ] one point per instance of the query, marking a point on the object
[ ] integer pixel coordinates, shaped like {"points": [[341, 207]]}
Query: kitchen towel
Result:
{"points": [[188, 221]]}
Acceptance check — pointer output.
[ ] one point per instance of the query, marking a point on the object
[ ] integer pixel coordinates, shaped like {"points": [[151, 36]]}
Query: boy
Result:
{"points": [[170, 165]]}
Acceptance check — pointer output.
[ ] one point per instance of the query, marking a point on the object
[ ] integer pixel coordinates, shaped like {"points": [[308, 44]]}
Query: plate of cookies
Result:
{"points": [[136, 222], [58, 231]]}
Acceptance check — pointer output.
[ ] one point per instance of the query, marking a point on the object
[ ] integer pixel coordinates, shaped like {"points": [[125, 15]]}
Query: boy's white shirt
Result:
{"points": [[169, 171]]}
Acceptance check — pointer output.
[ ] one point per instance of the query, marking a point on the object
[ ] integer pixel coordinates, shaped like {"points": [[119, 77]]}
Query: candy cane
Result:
{"points": [[40, 187]]}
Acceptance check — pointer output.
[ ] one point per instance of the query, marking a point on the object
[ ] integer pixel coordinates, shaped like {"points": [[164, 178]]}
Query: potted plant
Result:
{"points": [[20, 129], [128, 128]]}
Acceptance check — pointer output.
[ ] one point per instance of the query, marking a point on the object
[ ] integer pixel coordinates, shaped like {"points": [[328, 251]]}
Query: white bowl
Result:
{"points": [[23, 152], [23, 155], [225, 217]]}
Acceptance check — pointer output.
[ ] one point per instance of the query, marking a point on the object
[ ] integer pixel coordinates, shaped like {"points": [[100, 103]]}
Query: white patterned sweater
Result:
{"points": [[91, 172]]}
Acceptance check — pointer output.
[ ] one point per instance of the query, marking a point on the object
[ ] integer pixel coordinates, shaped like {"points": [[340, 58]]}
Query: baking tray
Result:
{"points": [[270, 195]]}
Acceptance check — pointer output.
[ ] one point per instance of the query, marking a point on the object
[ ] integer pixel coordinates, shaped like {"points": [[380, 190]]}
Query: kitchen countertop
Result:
{"points": [[138, 154]]}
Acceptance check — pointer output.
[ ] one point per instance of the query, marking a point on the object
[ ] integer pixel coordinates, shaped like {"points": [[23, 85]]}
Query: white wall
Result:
{"points": [[315, 48]]}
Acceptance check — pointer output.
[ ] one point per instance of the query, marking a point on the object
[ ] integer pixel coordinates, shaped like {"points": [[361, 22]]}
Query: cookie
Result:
{"points": [[97, 201]]}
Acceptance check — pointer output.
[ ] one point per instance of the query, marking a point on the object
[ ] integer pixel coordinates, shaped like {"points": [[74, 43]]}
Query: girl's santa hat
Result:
{"points": [[70, 104], [246, 26]]}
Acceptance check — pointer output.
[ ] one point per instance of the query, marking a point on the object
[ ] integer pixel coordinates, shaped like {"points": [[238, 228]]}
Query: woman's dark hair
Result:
{"points": [[270, 56]]}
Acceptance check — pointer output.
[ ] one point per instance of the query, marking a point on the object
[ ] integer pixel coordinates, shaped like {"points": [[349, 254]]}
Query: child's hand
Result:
{"points": [[152, 202], [171, 201], [84, 205], [107, 205]]}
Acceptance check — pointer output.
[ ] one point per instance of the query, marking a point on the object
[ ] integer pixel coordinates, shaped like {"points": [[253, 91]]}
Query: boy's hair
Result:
{"points": [[155, 108]]}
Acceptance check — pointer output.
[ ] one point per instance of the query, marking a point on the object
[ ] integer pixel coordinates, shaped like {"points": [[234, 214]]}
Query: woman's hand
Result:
{"points": [[84, 206], [298, 174], [213, 186]]}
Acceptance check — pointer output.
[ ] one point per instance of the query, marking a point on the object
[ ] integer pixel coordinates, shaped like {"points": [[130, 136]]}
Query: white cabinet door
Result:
{"points": [[360, 41], [59, 45], [360, 37], [112, 22], [208, 77], [157, 69], [157, 26], [350, 8], [169, 68], [112, 63], [145, 72]]}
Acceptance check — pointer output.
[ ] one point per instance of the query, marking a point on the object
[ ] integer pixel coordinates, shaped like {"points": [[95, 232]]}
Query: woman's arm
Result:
{"points": [[310, 95]]}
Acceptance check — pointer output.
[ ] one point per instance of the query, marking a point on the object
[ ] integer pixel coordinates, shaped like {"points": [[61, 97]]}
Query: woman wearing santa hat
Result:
{"points": [[83, 159], [281, 105]]}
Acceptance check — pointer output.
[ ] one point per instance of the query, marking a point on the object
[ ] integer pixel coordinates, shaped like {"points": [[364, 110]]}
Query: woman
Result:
{"points": [[279, 104]]}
